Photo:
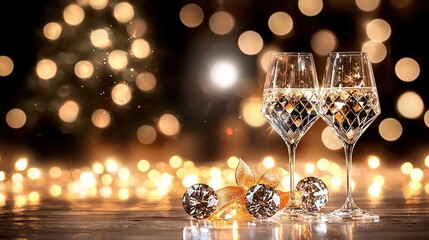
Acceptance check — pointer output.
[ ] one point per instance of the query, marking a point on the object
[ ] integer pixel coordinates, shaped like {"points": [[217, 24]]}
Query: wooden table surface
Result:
{"points": [[165, 218]]}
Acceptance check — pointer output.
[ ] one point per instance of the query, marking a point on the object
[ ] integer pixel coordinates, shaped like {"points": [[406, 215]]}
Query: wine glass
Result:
{"points": [[289, 104], [349, 103]]}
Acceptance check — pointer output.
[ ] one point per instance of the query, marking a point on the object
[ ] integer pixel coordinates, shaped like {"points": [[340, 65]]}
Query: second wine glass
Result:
{"points": [[289, 104], [349, 104]]}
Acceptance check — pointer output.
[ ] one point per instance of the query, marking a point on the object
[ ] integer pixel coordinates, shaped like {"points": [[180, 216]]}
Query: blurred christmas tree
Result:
{"points": [[95, 77]]}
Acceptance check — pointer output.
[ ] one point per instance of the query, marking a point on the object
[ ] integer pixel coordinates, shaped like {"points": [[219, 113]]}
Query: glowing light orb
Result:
{"points": [[137, 28], [373, 162], [169, 125], [55, 172], [407, 69], [121, 94], [52, 30], [191, 15], [250, 110], [378, 30], [390, 129], [118, 59], [143, 165], [84, 69], [16, 118], [140, 48], [34, 173], [73, 14], [98, 4], [55, 190], [280, 23], [416, 175], [146, 134], [406, 167], [175, 161], [377, 51], [265, 58], [330, 139], [250, 42], [310, 7], [21, 164], [100, 38], [268, 162], [100, 118], [410, 105], [123, 12], [426, 118], [223, 74], [69, 111], [46, 69], [6, 66], [221, 23], [367, 5], [146, 81], [323, 42]]}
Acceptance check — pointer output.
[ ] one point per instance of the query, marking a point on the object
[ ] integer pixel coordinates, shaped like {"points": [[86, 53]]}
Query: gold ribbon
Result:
{"points": [[231, 199]]}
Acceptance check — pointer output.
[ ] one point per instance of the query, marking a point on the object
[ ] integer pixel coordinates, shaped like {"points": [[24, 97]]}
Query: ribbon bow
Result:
{"points": [[231, 199]]}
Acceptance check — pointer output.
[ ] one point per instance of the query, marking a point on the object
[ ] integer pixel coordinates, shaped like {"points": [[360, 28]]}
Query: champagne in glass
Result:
{"points": [[349, 104], [289, 104]]}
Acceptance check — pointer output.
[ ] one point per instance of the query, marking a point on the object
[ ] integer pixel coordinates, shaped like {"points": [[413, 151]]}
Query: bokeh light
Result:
{"points": [[118, 59], [52, 30], [69, 111], [407, 69], [123, 12], [323, 42], [410, 105], [169, 125], [280, 23], [378, 30], [98, 4], [140, 48], [16, 118], [73, 14], [100, 38], [137, 28], [223, 74], [373, 162], [426, 118], [191, 15], [406, 167], [310, 7], [121, 94], [250, 42], [390, 129], [330, 139], [367, 5], [221, 22], [84, 69], [101, 118], [146, 134], [250, 110], [146, 81], [377, 51], [46, 69]]}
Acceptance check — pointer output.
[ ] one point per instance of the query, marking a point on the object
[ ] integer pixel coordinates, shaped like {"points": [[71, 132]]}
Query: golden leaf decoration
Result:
{"points": [[273, 177], [231, 199], [244, 176]]}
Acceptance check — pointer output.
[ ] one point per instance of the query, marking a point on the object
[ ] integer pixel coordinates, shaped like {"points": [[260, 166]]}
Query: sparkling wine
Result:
{"points": [[349, 111], [291, 111]]}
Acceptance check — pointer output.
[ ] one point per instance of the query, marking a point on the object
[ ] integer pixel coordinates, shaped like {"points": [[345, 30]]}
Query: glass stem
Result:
{"points": [[291, 147], [348, 150]]}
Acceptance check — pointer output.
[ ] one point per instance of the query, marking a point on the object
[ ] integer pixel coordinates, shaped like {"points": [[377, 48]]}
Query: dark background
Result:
{"points": [[178, 52]]}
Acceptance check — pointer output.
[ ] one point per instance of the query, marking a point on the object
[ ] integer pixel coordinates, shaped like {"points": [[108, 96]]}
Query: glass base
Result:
{"points": [[350, 214], [297, 214]]}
